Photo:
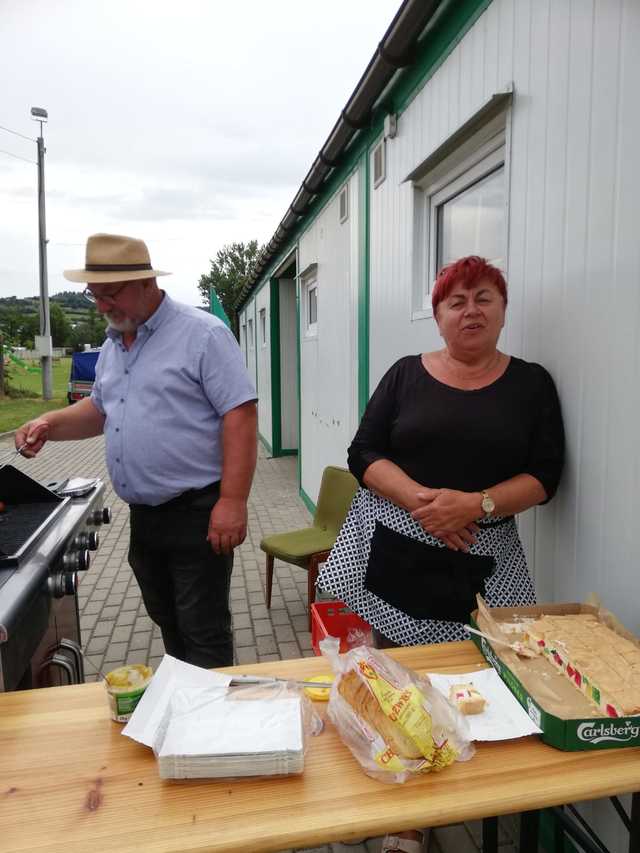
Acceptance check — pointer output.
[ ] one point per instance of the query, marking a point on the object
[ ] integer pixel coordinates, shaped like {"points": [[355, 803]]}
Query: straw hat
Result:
{"points": [[111, 258]]}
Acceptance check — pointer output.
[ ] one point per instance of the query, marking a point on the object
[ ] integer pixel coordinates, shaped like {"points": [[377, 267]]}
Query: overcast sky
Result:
{"points": [[188, 123]]}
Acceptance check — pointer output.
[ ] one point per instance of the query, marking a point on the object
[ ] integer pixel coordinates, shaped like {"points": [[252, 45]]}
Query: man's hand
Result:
{"points": [[227, 525], [34, 434]]}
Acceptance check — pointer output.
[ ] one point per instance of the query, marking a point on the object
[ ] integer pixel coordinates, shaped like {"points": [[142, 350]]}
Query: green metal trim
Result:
{"points": [[266, 444], [288, 451], [306, 500], [363, 282], [451, 27], [299, 380], [457, 17], [276, 397]]}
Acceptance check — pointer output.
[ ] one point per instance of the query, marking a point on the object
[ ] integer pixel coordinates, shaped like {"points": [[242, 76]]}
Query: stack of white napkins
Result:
{"points": [[215, 732], [201, 727]]}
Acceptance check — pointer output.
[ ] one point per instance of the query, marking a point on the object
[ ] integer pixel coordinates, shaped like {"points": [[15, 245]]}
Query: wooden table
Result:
{"points": [[69, 781]]}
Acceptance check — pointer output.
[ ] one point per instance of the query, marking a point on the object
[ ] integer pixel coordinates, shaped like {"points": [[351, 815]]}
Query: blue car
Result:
{"points": [[83, 374]]}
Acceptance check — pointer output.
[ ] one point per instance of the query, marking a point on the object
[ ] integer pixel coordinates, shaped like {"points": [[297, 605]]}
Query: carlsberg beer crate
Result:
{"points": [[568, 731]]}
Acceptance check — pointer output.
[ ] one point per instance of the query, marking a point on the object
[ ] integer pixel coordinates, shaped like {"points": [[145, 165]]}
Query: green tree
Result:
{"points": [[92, 331], [230, 271], [60, 325], [11, 322], [96, 327], [29, 329]]}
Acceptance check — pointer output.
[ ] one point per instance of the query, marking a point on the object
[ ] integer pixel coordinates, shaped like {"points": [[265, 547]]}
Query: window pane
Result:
{"points": [[473, 222], [313, 306]]}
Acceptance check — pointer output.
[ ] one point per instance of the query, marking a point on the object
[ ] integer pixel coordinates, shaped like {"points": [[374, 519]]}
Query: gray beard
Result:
{"points": [[127, 325]]}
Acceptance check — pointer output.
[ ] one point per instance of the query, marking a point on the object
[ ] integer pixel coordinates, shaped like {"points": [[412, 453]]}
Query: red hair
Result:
{"points": [[467, 272]]}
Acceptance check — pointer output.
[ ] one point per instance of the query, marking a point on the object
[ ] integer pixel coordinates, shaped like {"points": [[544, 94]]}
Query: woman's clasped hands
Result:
{"points": [[449, 515]]}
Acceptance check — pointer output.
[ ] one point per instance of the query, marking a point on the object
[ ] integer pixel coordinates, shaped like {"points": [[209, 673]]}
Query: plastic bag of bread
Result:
{"points": [[393, 721]]}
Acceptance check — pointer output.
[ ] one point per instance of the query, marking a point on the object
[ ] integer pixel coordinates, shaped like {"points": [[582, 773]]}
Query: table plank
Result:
{"points": [[69, 780]]}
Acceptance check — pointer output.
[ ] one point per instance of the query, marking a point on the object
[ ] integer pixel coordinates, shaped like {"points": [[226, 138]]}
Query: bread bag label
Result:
{"points": [[403, 707]]}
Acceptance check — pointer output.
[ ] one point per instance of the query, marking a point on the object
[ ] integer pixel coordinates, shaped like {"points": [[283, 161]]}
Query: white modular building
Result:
{"points": [[508, 129]]}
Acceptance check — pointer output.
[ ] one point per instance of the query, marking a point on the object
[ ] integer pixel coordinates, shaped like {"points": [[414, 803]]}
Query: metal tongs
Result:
{"points": [[12, 453], [519, 648], [238, 680]]}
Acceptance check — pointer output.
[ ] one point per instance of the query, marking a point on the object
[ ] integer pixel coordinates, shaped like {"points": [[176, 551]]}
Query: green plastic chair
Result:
{"points": [[311, 546]]}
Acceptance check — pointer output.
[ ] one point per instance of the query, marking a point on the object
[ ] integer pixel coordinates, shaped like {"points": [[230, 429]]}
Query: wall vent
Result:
{"points": [[344, 203], [379, 163]]}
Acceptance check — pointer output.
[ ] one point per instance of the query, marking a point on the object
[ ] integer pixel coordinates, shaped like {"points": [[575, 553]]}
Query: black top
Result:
{"points": [[445, 437]]}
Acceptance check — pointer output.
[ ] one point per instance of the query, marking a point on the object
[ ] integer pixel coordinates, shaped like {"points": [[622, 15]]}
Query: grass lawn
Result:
{"points": [[15, 411]]}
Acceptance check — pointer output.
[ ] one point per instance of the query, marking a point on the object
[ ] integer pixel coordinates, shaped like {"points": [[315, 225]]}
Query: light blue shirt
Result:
{"points": [[164, 400]]}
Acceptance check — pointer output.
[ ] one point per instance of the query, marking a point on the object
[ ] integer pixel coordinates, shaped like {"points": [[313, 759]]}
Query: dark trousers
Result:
{"points": [[184, 584]]}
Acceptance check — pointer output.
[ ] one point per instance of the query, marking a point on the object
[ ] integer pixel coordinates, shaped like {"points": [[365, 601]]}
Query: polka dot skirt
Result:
{"points": [[343, 574]]}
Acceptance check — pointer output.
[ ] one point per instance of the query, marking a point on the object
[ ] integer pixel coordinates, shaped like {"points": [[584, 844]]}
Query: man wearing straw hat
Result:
{"points": [[177, 409]]}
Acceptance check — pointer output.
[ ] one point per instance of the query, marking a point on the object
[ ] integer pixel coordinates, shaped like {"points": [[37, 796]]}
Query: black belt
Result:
{"points": [[183, 499]]}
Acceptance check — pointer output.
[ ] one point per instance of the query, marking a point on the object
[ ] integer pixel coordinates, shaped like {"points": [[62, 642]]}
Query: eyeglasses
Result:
{"points": [[109, 298]]}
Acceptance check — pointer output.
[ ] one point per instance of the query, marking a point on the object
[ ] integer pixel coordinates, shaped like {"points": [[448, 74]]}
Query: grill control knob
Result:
{"points": [[89, 540], [101, 516], [63, 583], [76, 561]]}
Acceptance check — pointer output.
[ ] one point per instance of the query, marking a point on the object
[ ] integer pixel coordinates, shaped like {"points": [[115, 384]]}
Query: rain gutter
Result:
{"points": [[395, 52]]}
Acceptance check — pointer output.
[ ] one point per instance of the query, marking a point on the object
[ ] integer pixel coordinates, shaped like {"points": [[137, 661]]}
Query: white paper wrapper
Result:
{"points": [[503, 718], [170, 675]]}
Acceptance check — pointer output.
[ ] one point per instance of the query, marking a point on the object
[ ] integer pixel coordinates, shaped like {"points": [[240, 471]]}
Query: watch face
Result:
{"points": [[487, 504]]}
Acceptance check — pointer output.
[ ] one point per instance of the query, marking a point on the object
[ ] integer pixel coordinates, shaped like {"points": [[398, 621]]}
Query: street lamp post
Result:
{"points": [[43, 341]]}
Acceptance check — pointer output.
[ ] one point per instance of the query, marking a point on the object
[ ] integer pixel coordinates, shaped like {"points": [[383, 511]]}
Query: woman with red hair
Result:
{"points": [[452, 445]]}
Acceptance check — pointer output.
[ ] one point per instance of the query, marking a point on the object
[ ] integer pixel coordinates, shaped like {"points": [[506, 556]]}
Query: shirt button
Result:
{"points": [[117, 459], [117, 429], [126, 371], [124, 485], [122, 399]]}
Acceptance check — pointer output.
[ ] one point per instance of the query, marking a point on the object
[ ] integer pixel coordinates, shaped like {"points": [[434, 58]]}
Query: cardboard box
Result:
{"points": [[568, 720]]}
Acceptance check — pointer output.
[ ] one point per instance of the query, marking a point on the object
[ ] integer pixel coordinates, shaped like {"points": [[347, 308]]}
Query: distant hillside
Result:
{"points": [[69, 300]]}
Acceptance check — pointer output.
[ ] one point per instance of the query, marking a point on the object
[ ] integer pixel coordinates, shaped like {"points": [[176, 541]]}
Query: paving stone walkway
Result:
{"points": [[117, 630]]}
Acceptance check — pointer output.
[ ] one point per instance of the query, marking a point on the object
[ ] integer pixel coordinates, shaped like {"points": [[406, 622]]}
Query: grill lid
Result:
{"points": [[29, 508]]}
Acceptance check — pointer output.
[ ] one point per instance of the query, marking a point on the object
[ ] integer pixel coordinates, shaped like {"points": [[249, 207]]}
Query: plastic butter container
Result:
{"points": [[125, 686], [320, 694]]}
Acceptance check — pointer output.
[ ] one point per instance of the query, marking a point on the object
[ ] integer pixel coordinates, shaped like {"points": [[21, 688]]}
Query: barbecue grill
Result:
{"points": [[45, 540], [29, 509]]}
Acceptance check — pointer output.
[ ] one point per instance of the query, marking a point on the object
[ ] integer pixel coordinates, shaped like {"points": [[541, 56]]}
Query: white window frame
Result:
{"points": [[262, 314], [479, 156], [487, 166], [310, 286]]}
